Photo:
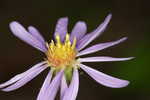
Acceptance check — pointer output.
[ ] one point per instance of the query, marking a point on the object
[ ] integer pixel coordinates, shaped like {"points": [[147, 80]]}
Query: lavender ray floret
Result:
{"points": [[72, 91], [78, 31], [53, 87], [63, 87], [103, 59], [19, 31], [104, 79], [36, 33], [100, 46], [45, 85], [20, 76], [61, 28], [25, 79], [91, 36]]}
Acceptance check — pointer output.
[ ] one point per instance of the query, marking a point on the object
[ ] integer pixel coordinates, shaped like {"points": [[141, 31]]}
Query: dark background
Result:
{"points": [[131, 18]]}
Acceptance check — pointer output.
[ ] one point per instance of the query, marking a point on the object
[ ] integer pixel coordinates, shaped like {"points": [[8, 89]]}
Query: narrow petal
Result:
{"points": [[91, 36], [100, 46], [25, 79], [104, 79], [103, 59], [64, 87], [72, 91], [36, 34], [19, 31], [20, 76], [53, 87], [61, 27], [45, 86], [78, 31], [12, 80]]}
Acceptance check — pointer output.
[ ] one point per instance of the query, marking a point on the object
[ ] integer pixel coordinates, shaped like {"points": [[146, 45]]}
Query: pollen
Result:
{"points": [[61, 54]]}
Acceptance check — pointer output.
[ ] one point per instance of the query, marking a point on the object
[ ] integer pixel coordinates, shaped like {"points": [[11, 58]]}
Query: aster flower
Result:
{"points": [[63, 59]]}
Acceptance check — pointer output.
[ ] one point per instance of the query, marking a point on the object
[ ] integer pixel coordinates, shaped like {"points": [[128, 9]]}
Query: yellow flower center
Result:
{"points": [[61, 54]]}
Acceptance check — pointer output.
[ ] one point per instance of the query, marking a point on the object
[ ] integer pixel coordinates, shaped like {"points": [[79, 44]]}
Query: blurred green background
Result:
{"points": [[131, 18]]}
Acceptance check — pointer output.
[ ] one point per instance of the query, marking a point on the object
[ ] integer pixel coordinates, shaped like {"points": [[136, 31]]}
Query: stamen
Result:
{"points": [[67, 37], [58, 40], [67, 41], [52, 45], [74, 43]]}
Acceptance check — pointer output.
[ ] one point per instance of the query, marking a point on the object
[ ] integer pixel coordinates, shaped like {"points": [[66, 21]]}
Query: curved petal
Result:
{"points": [[100, 46], [61, 28], [78, 31], [36, 34], [72, 91], [64, 87], [103, 59], [19, 31], [20, 76], [91, 36], [104, 79], [25, 79], [45, 86], [53, 87]]}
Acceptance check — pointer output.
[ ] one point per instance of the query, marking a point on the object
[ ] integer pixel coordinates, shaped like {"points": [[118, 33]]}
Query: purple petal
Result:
{"points": [[72, 91], [78, 31], [25, 79], [36, 34], [64, 87], [53, 87], [19, 31], [100, 46], [61, 28], [12, 80], [91, 36], [20, 76], [104, 79], [45, 86], [103, 59]]}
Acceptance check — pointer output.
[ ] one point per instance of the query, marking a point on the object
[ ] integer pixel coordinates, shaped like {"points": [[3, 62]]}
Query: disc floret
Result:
{"points": [[61, 54]]}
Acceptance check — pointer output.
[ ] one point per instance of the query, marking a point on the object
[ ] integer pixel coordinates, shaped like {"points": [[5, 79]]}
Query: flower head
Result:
{"points": [[63, 58]]}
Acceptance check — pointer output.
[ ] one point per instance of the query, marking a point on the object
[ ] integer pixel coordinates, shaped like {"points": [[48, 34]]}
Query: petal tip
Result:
{"points": [[109, 16], [30, 27], [82, 23], [64, 18], [13, 23], [124, 84], [124, 38], [130, 58]]}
